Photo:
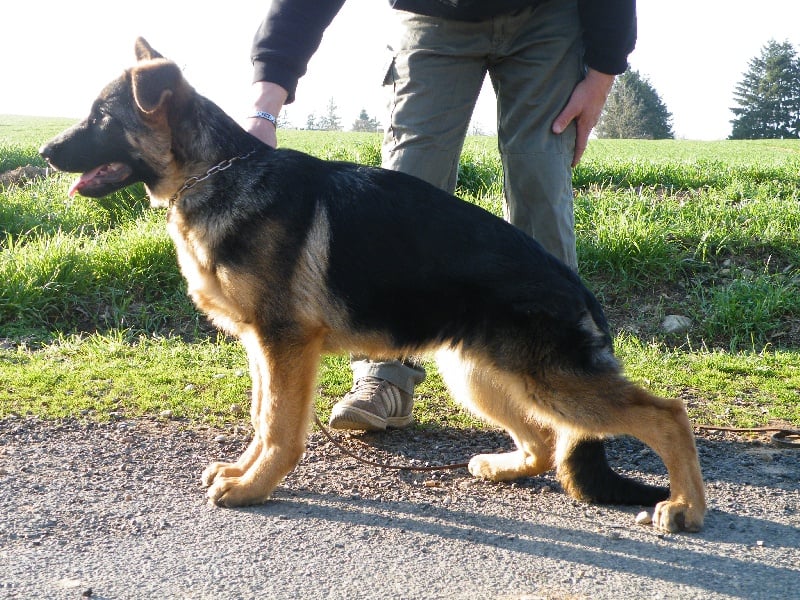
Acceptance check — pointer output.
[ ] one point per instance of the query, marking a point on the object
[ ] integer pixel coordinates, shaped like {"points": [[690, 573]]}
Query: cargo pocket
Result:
{"points": [[389, 70], [390, 88]]}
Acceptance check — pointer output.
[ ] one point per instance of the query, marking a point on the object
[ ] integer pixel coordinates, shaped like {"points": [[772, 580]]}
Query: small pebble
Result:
{"points": [[676, 324], [165, 414], [221, 438], [644, 518], [190, 387]]}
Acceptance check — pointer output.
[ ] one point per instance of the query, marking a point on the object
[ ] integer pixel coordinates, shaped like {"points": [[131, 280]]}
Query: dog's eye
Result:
{"points": [[99, 119]]}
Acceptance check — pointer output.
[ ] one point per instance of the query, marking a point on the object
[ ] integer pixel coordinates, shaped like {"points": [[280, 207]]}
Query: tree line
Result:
{"points": [[767, 99], [330, 121]]}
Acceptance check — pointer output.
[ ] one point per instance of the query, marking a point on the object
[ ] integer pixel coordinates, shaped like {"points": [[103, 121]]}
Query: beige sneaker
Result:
{"points": [[373, 405]]}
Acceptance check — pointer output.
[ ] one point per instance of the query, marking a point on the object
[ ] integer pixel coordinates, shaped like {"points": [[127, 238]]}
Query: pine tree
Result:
{"points": [[331, 121], [769, 95], [634, 110], [365, 122]]}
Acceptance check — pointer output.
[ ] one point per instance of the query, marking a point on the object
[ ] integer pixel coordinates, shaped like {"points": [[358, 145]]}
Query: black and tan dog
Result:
{"points": [[298, 257]]}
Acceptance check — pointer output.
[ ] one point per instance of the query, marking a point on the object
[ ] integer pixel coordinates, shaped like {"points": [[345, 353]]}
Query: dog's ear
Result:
{"points": [[144, 51], [154, 83]]}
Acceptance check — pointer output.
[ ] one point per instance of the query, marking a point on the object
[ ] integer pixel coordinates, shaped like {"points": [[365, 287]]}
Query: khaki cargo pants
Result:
{"points": [[534, 60]]}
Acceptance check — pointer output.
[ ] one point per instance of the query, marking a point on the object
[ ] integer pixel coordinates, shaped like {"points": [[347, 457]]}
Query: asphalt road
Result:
{"points": [[115, 511]]}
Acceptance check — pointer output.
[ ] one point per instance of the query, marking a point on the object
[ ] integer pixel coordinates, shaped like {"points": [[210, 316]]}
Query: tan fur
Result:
{"points": [[568, 409], [500, 399], [212, 291]]}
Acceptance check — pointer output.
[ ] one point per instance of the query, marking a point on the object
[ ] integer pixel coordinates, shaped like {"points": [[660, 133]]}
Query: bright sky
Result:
{"points": [[55, 56]]}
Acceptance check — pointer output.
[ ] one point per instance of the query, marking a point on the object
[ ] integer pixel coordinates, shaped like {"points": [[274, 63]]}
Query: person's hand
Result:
{"points": [[584, 107], [269, 97]]}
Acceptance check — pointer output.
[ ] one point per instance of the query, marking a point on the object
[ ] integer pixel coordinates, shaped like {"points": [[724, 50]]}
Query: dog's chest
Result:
{"points": [[203, 284]]}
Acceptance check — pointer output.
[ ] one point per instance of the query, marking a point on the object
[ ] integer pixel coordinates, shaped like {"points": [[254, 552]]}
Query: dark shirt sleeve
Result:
{"points": [[292, 31], [288, 37], [609, 33]]}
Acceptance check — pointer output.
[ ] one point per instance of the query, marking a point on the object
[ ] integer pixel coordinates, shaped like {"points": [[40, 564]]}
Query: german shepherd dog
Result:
{"points": [[298, 257]]}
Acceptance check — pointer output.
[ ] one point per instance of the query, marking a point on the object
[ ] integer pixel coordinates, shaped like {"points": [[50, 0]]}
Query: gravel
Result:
{"points": [[114, 510]]}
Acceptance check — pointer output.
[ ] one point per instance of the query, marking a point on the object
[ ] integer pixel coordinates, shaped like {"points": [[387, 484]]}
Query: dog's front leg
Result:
{"points": [[238, 468], [281, 411]]}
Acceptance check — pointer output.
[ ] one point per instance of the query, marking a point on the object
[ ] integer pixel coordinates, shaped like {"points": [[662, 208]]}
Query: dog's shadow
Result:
{"points": [[551, 525], [563, 535]]}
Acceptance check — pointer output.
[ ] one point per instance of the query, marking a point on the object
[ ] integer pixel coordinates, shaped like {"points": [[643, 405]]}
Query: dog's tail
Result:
{"points": [[585, 473]]}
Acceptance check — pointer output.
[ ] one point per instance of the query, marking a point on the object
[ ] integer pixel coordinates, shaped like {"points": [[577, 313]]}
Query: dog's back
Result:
{"points": [[421, 266]]}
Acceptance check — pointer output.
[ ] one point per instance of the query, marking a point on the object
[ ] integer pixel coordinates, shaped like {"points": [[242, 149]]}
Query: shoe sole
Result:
{"points": [[362, 420]]}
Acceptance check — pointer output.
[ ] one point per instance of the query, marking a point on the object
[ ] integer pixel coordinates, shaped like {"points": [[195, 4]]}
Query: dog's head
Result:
{"points": [[125, 139]]}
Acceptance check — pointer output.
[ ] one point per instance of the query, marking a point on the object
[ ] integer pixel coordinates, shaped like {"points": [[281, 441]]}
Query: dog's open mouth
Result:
{"points": [[101, 180]]}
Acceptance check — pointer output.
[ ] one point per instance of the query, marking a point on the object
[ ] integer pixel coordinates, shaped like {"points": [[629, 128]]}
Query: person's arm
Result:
{"points": [[609, 33], [609, 36], [282, 47], [267, 97]]}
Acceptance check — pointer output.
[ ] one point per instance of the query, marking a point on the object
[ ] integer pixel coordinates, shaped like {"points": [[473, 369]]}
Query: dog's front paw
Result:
{"points": [[676, 516], [235, 491], [222, 469]]}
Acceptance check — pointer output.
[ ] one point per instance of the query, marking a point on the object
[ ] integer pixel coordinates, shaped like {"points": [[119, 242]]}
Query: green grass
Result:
{"points": [[20, 137], [94, 318]]}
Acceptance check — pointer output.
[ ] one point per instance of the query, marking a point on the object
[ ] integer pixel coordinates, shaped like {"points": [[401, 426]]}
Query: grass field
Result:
{"points": [[94, 319]]}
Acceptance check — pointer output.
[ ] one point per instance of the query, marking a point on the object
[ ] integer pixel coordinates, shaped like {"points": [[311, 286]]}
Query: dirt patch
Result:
{"points": [[22, 175]]}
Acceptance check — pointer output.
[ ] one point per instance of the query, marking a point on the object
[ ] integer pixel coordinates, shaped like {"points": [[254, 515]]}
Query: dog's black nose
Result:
{"points": [[45, 151]]}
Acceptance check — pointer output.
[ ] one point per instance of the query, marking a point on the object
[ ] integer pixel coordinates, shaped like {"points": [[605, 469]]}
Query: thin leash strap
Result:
{"points": [[381, 465], [785, 438]]}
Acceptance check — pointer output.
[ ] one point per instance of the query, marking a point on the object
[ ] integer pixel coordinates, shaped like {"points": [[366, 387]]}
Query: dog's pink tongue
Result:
{"points": [[83, 180], [73, 189]]}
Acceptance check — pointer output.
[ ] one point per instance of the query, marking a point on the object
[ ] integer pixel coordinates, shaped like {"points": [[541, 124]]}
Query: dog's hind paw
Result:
{"points": [[676, 516], [506, 466]]}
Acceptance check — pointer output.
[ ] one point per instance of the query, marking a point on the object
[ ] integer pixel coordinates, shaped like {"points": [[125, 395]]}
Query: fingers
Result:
{"points": [[584, 107], [572, 112]]}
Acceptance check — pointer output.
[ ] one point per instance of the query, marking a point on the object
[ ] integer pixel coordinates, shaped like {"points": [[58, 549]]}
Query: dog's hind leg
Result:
{"points": [[611, 405], [664, 425], [281, 412], [584, 471], [486, 392]]}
